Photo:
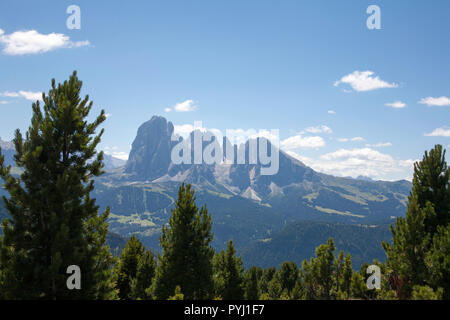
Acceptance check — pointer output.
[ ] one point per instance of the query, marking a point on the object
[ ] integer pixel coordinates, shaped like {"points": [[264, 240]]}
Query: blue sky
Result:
{"points": [[311, 69]]}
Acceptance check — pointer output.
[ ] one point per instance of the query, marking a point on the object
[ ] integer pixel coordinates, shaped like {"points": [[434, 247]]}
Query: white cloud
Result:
{"points": [[33, 42], [439, 102], [107, 115], [365, 162], [396, 104], [118, 154], [379, 145], [239, 136], [29, 95], [4, 102], [439, 132], [331, 112], [299, 141], [317, 129], [364, 81], [357, 139], [183, 130], [114, 151], [235, 136], [167, 110], [185, 106]]}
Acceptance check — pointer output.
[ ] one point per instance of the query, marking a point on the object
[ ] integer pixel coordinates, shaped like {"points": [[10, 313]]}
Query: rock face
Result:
{"points": [[150, 160], [150, 152]]}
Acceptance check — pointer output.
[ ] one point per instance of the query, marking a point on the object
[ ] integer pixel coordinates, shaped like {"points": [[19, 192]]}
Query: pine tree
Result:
{"points": [[347, 273], [54, 223], [229, 274], [186, 259], [425, 293], [252, 284], [431, 184], [325, 267], [145, 272], [428, 213], [309, 281], [266, 277], [358, 286], [318, 275], [339, 268], [288, 276], [274, 289], [127, 267], [437, 261], [177, 295]]}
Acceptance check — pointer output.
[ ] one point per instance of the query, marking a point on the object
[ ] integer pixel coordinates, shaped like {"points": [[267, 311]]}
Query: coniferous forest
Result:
{"points": [[54, 223]]}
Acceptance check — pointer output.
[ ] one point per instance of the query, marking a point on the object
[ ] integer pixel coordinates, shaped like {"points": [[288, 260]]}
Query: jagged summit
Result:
{"points": [[150, 152], [150, 160]]}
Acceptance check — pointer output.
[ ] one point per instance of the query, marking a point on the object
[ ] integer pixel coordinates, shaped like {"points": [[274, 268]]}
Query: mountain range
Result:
{"points": [[251, 208]]}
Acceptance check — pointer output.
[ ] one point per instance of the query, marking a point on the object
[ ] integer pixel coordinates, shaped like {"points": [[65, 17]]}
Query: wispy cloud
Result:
{"points": [[355, 139], [317, 129], [356, 162], [185, 106], [364, 81], [439, 132], [114, 151], [299, 142], [29, 95], [331, 112], [379, 145], [438, 102], [396, 104], [33, 42]]}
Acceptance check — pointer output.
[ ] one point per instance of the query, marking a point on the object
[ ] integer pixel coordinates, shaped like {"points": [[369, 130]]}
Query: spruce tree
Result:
{"points": [[288, 276], [266, 277], [229, 274], [252, 284], [274, 289], [127, 267], [415, 236], [54, 223], [347, 273], [318, 275], [141, 284], [431, 184], [186, 259], [325, 267]]}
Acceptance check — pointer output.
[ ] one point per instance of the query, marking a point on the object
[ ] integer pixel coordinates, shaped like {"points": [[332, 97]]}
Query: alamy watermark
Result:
{"points": [[374, 280], [235, 147], [74, 20], [74, 280], [374, 20]]}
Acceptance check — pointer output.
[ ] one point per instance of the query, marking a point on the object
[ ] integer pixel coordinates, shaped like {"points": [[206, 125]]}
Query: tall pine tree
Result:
{"points": [[145, 273], [54, 223], [186, 259], [251, 282], [415, 254], [229, 274], [127, 267]]}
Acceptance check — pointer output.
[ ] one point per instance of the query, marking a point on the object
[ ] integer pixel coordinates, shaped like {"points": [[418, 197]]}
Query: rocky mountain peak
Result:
{"points": [[150, 152]]}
